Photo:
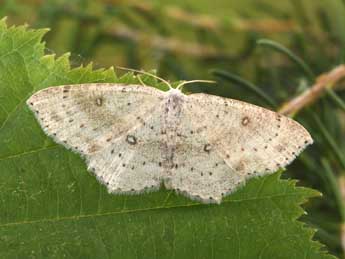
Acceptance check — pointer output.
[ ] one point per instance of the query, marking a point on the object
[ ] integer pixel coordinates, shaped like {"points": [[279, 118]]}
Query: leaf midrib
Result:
{"points": [[255, 199]]}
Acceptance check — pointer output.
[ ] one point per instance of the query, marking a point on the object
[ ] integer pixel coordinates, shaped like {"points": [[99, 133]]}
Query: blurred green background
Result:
{"points": [[202, 39]]}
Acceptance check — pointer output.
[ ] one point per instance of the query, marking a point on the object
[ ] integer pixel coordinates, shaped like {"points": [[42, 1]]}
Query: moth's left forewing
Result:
{"points": [[253, 140], [115, 127], [87, 117]]}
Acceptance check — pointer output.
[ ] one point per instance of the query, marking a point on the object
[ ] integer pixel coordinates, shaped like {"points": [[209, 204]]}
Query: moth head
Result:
{"points": [[171, 89], [175, 91]]}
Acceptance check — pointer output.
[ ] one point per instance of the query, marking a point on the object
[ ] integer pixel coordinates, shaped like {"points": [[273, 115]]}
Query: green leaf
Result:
{"points": [[50, 206]]}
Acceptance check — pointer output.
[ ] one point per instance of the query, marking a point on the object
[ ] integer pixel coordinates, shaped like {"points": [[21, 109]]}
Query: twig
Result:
{"points": [[202, 21], [266, 25], [210, 23], [165, 44], [206, 22], [323, 82]]}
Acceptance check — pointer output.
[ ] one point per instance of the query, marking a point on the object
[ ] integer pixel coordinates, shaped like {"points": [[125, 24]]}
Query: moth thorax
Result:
{"points": [[174, 91]]}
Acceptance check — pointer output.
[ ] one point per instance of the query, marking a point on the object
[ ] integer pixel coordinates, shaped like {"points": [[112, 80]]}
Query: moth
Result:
{"points": [[135, 138]]}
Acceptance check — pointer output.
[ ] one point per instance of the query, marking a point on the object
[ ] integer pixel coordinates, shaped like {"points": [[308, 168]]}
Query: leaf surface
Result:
{"points": [[51, 207]]}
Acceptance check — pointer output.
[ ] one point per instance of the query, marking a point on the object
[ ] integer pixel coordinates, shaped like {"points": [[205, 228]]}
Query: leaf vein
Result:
{"points": [[79, 217]]}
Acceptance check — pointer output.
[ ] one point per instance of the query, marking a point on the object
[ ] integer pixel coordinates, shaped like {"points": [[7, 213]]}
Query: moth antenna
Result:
{"points": [[195, 81], [146, 73]]}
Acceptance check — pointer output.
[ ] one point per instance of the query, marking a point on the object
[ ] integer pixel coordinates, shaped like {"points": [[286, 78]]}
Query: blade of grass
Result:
{"points": [[334, 185], [240, 81], [333, 95], [331, 141], [280, 48]]}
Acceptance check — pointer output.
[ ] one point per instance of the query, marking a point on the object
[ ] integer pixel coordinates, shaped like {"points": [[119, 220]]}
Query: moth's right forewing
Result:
{"points": [[253, 140], [86, 117]]}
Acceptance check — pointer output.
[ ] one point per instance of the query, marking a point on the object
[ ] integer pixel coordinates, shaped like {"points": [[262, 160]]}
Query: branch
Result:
{"points": [[210, 23], [165, 44], [266, 25], [323, 82]]}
